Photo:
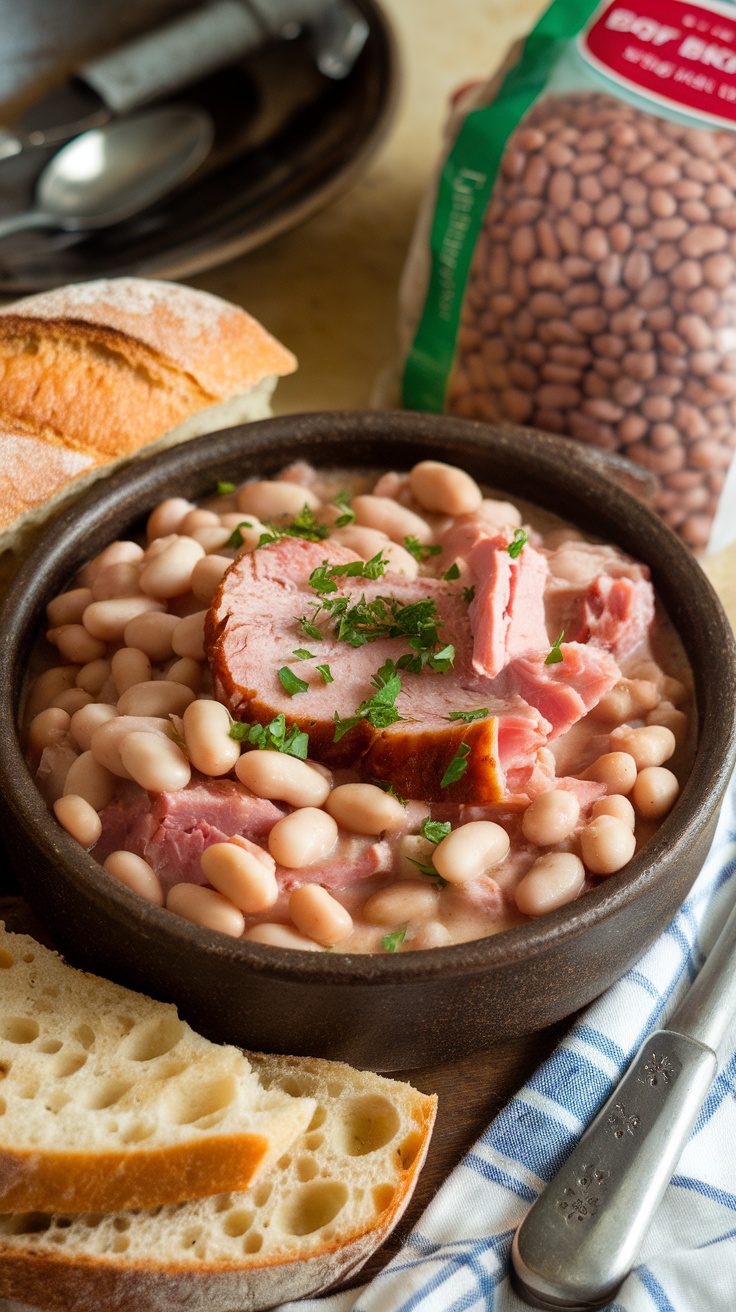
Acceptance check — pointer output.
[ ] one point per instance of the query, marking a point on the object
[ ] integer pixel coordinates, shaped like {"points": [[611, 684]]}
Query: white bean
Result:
{"points": [[117, 553], [188, 636], [617, 806], [203, 906], [270, 499], [412, 848], [155, 762], [319, 915], [106, 739], [169, 574], [303, 837], [196, 519], [212, 538], [628, 700], [47, 686], [617, 770], [88, 779], [186, 671], [553, 880], [470, 850], [280, 936], [607, 844], [48, 727], [249, 530], [75, 643], [87, 719], [207, 735], [68, 607], [79, 819], [240, 876], [655, 792], [72, 700], [401, 902], [389, 517], [155, 697], [651, 745], [107, 620], [129, 665], [93, 676], [365, 809], [665, 714], [444, 489], [119, 580], [166, 517], [282, 778], [136, 874], [207, 576], [551, 817], [433, 934], [152, 634]]}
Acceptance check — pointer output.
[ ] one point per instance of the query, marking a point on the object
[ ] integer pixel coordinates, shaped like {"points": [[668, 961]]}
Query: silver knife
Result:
{"points": [[170, 57], [581, 1237]]}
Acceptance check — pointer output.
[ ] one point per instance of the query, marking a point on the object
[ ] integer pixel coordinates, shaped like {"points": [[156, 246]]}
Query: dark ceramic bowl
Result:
{"points": [[388, 1012]]}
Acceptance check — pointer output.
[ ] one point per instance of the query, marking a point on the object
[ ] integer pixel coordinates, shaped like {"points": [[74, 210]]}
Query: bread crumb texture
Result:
{"points": [[108, 1099]]}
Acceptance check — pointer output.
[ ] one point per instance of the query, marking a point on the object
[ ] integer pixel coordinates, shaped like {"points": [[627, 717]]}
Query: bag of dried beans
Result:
{"points": [[575, 267]]}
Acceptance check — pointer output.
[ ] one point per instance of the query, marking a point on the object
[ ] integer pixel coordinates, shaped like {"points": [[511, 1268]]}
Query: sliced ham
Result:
{"points": [[507, 612], [564, 692], [599, 595]]}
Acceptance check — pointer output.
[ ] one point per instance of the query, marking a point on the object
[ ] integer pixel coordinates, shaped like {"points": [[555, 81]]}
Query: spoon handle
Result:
{"points": [[24, 221]]}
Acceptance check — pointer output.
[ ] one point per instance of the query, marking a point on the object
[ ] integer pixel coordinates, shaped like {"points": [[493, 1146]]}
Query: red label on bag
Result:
{"points": [[670, 51]]}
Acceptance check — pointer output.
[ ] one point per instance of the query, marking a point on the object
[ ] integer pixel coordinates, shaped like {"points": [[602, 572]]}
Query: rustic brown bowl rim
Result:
{"points": [[558, 465]]}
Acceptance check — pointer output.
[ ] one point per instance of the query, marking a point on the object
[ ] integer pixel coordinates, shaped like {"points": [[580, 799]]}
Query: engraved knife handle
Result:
{"points": [[581, 1237]]}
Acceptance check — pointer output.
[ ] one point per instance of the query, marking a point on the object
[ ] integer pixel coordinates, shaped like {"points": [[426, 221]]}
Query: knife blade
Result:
{"points": [[152, 66], [581, 1237]]}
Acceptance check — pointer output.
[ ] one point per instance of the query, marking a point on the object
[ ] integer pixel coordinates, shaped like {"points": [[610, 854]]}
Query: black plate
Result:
{"points": [[287, 141]]}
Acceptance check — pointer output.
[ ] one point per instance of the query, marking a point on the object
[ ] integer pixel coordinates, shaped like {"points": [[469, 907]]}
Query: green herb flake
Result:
{"points": [[421, 551], [309, 628], [452, 573], [468, 717], [555, 653], [457, 767], [326, 673], [468, 594], [378, 710], [517, 543], [435, 830], [274, 737], [290, 682], [302, 654], [392, 942], [304, 525], [429, 872], [236, 537], [224, 489], [347, 515]]}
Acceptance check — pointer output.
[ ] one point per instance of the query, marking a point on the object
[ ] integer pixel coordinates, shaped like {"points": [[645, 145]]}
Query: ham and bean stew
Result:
{"points": [[357, 714]]}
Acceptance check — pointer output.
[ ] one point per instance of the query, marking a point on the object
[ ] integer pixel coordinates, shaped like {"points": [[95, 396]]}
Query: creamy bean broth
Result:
{"points": [[360, 713]]}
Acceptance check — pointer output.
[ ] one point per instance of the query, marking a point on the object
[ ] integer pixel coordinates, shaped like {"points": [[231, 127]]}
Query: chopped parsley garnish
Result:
{"points": [[304, 525], [468, 594], [378, 710], [236, 537], [302, 654], [322, 579], [435, 830], [420, 550], [223, 489], [517, 543], [429, 872], [457, 767], [326, 673], [290, 682], [469, 716], [273, 737], [347, 515], [309, 629], [452, 573], [555, 654], [389, 788], [391, 942]]}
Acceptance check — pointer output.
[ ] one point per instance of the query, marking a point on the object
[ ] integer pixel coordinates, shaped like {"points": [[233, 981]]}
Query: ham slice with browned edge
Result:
{"points": [[253, 629], [507, 612]]}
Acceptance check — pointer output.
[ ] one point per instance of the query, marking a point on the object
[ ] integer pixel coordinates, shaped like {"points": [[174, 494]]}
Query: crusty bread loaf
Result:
{"points": [[96, 372], [310, 1221], [108, 1100]]}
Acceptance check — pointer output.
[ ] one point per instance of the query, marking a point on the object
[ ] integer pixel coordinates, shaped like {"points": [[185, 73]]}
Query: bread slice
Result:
{"points": [[108, 1100], [308, 1222], [101, 371]]}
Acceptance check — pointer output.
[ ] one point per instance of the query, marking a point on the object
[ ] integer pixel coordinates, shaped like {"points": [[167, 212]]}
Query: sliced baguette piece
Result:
{"points": [[309, 1222], [108, 1100]]}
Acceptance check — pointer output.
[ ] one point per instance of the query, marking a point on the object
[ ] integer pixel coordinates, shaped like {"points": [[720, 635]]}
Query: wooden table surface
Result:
{"points": [[329, 290]]}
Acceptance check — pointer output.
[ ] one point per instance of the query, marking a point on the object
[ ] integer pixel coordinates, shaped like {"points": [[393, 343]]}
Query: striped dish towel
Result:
{"points": [[457, 1257]]}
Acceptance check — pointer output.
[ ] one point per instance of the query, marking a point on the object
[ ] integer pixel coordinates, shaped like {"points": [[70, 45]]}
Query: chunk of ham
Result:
{"points": [[507, 612], [564, 692], [600, 596]]}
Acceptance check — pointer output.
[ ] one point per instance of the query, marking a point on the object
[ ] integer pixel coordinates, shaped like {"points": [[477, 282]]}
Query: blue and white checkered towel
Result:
{"points": [[457, 1257]]}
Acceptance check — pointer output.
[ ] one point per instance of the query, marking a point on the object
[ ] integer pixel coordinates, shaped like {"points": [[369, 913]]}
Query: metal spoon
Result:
{"points": [[112, 172]]}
